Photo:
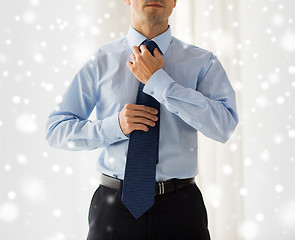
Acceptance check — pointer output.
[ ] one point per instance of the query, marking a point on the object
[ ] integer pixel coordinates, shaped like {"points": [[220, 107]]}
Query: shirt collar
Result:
{"points": [[163, 40]]}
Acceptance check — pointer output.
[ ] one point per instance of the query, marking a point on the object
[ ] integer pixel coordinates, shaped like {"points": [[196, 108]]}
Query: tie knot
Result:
{"points": [[151, 45]]}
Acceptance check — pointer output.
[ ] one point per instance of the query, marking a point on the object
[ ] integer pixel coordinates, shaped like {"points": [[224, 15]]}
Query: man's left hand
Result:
{"points": [[144, 64]]}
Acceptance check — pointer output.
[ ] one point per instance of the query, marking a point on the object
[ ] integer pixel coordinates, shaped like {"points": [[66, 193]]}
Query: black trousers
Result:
{"points": [[179, 215]]}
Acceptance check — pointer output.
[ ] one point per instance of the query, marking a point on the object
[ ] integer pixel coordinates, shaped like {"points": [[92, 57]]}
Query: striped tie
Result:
{"points": [[139, 181]]}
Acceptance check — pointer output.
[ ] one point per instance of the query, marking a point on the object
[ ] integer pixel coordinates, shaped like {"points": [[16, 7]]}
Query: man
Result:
{"points": [[149, 111]]}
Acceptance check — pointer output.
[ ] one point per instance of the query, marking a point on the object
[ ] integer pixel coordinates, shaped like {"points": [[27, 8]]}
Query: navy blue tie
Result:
{"points": [[138, 192]]}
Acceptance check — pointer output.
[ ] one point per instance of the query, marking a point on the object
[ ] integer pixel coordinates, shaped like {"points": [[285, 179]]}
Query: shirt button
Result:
{"points": [[152, 92], [119, 137], [176, 112]]}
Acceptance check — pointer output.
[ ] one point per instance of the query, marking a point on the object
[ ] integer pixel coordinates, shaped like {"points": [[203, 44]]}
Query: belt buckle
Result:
{"points": [[161, 188]]}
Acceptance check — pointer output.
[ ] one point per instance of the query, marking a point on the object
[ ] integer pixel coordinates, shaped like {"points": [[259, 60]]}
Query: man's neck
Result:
{"points": [[150, 31]]}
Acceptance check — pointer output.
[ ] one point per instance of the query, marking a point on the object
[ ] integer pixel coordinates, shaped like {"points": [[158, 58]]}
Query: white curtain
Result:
{"points": [[213, 26]]}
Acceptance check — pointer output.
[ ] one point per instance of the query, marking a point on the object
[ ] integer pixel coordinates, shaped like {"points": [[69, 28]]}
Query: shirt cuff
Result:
{"points": [[112, 130], [157, 84]]}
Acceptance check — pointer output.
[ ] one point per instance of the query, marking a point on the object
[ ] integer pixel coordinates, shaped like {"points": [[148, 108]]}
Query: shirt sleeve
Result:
{"points": [[210, 108], [68, 126]]}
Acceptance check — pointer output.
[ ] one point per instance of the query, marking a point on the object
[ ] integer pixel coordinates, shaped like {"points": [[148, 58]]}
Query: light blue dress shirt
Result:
{"points": [[194, 94]]}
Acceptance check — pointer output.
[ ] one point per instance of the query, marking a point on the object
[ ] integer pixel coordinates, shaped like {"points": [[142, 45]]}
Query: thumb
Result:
{"points": [[157, 54]]}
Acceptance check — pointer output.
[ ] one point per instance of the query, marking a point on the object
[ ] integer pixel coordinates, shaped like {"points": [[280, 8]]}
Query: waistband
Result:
{"points": [[167, 186]]}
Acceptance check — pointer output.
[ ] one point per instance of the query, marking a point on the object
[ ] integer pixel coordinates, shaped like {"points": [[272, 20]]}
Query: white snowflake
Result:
{"points": [[34, 190], [22, 159], [57, 212], [29, 16], [259, 217], [9, 212], [291, 69], [26, 123], [69, 170], [288, 41], [55, 168], [248, 230]]}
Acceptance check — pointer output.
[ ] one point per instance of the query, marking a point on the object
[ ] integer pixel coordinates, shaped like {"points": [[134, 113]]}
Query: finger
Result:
{"points": [[142, 114], [145, 108], [143, 48], [136, 51], [132, 56], [144, 121], [157, 54], [141, 127], [129, 64]]}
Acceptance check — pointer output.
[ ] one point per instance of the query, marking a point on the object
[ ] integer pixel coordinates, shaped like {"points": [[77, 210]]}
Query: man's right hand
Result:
{"points": [[136, 117]]}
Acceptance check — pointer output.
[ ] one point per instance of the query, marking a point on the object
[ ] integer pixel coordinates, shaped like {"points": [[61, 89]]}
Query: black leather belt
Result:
{"points": [[160, 187]]}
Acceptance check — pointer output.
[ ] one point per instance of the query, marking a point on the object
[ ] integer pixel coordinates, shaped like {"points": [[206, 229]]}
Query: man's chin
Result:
{"points": [[154, 18]]}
